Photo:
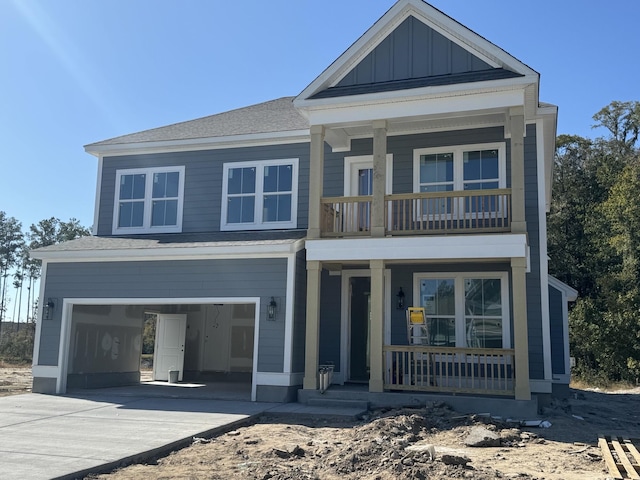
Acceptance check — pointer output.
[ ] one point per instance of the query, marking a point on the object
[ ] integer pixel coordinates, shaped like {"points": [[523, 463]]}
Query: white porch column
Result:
{"points": [[316, 175], [379, 177], [312, 333], [516, 126], [520, 333], [376, 366]]}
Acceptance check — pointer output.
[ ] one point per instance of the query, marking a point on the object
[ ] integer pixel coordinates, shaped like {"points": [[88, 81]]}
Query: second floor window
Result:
{"points": [[462, 168], [260, 195], [149, 200]]}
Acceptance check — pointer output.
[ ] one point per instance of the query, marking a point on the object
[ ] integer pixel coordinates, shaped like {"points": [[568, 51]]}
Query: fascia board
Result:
{"points": [[571, 293], [212, 143], [432, 17], [417, 107], [168, 253], [423, 93], [471, 247]]}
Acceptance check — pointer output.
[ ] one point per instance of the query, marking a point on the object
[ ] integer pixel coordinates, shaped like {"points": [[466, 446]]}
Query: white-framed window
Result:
{"points": [[465, 167], [468, 310], [260, 195], [148, 200]]}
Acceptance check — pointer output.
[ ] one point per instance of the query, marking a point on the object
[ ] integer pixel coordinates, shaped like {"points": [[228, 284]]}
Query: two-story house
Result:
{"points": [[415, 171]]}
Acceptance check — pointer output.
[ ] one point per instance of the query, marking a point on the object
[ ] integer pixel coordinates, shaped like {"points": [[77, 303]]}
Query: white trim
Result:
{"points": [[157, 252], [459, 314], [345, 323], [289, 314], [146, 227], [566, 290], [568, 294], [454, 247], [278, 379], [365, 161], [540, 386], [45, 371], [258, 195], [542, 254], [413, 103], [36, 341], [67, 314], [195, 144], [96, 208]]}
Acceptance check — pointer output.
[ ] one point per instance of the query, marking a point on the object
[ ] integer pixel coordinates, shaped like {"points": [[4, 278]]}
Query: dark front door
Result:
{"points": [[359, 314]]}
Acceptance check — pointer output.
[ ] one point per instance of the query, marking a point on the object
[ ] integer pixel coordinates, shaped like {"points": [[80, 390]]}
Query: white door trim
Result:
{"points": [[344, 317], [364, 161]]}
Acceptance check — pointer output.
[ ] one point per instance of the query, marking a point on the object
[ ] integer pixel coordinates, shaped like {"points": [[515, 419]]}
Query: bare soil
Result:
{"points": [[379, 445]]}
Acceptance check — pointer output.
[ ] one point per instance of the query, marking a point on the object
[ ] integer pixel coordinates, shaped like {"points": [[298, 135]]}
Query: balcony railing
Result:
{"points": [[471, 211], [449, 369]]}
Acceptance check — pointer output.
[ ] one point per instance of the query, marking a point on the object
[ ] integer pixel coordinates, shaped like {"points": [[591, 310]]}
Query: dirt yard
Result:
{"points": [[430, 442]]}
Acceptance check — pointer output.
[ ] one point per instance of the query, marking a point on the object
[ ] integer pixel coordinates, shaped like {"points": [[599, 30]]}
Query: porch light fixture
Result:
{"points": [[47, 312], [271, 309], [400, 296]]}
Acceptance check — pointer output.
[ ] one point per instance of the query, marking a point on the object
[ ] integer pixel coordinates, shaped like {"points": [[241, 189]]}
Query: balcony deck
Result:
{"points": [[428, 213]]}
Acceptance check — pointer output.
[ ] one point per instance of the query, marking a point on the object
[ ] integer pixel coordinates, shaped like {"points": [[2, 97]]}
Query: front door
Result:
{"points": [[360, 328], [169, 346]]}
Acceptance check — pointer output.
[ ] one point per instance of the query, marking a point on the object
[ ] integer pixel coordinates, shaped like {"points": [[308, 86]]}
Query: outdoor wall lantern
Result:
{"points": [[400, 296], [48, 309], [271, 309]]}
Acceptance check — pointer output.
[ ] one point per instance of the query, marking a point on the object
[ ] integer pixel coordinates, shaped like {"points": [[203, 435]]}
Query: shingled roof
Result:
{"points": [[273, 116]]}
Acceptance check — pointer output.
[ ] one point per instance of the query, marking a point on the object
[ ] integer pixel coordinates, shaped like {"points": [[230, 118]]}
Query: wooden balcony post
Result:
{"points": [[379, 177], [516, 127], [312, 333], [520, 332], [376, 366], [316, 175]]}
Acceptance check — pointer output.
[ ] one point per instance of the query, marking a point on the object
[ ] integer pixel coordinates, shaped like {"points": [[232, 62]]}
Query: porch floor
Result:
{"points": [[463, 403]]}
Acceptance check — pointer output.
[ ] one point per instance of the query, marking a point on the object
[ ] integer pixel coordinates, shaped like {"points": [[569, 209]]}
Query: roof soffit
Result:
{"points": [[458, 34]]}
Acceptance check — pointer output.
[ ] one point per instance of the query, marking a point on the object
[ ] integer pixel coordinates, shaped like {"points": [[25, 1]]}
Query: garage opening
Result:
{"points": [[199, 350]]}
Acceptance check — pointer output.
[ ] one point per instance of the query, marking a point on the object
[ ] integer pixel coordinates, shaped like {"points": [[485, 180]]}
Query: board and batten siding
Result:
{"points": [[556, 320], [256, 277], [412, 50], [534, 295], [203, 181], [299, 313]]}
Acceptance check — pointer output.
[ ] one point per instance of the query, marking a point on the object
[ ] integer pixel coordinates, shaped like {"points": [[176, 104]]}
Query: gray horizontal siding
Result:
{"points": [[412, 50], [402, 147], [203, 181], [299, 313], [262, 278]]}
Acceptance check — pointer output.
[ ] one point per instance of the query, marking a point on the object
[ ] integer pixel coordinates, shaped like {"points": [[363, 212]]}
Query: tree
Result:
{"points": [[11, 244], [594, 242]]}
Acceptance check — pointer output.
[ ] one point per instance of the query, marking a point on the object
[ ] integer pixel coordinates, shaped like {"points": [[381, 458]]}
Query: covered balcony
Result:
{"points": [[472, 211]]}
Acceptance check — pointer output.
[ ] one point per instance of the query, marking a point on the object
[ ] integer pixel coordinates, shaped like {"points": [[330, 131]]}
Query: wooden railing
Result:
{"points": [[345, 216], [448, 212], [448, 369], [471, 211]]}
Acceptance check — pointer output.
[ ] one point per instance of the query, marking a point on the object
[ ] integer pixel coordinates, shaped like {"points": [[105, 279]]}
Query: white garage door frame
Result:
{"points": [[67, 314]]}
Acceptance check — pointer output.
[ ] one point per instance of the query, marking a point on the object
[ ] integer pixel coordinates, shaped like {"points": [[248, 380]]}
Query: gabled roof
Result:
{"points": [[269, 117], [571, 293], [483, 55]]}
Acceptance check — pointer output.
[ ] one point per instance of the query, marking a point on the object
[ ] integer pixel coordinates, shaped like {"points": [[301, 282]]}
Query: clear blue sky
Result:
{"points": [[78, 71]]}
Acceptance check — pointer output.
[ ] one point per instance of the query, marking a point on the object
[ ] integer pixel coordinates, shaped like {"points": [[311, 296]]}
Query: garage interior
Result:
{"points": [[209, 347]]}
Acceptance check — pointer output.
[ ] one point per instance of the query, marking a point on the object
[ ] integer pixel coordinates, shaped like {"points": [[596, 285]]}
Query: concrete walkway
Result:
{"points": [[47, 436], [44, 436]]}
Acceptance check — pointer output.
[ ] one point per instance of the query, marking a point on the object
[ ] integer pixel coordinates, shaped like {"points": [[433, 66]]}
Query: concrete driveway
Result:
{"points": [[45, 436]]}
